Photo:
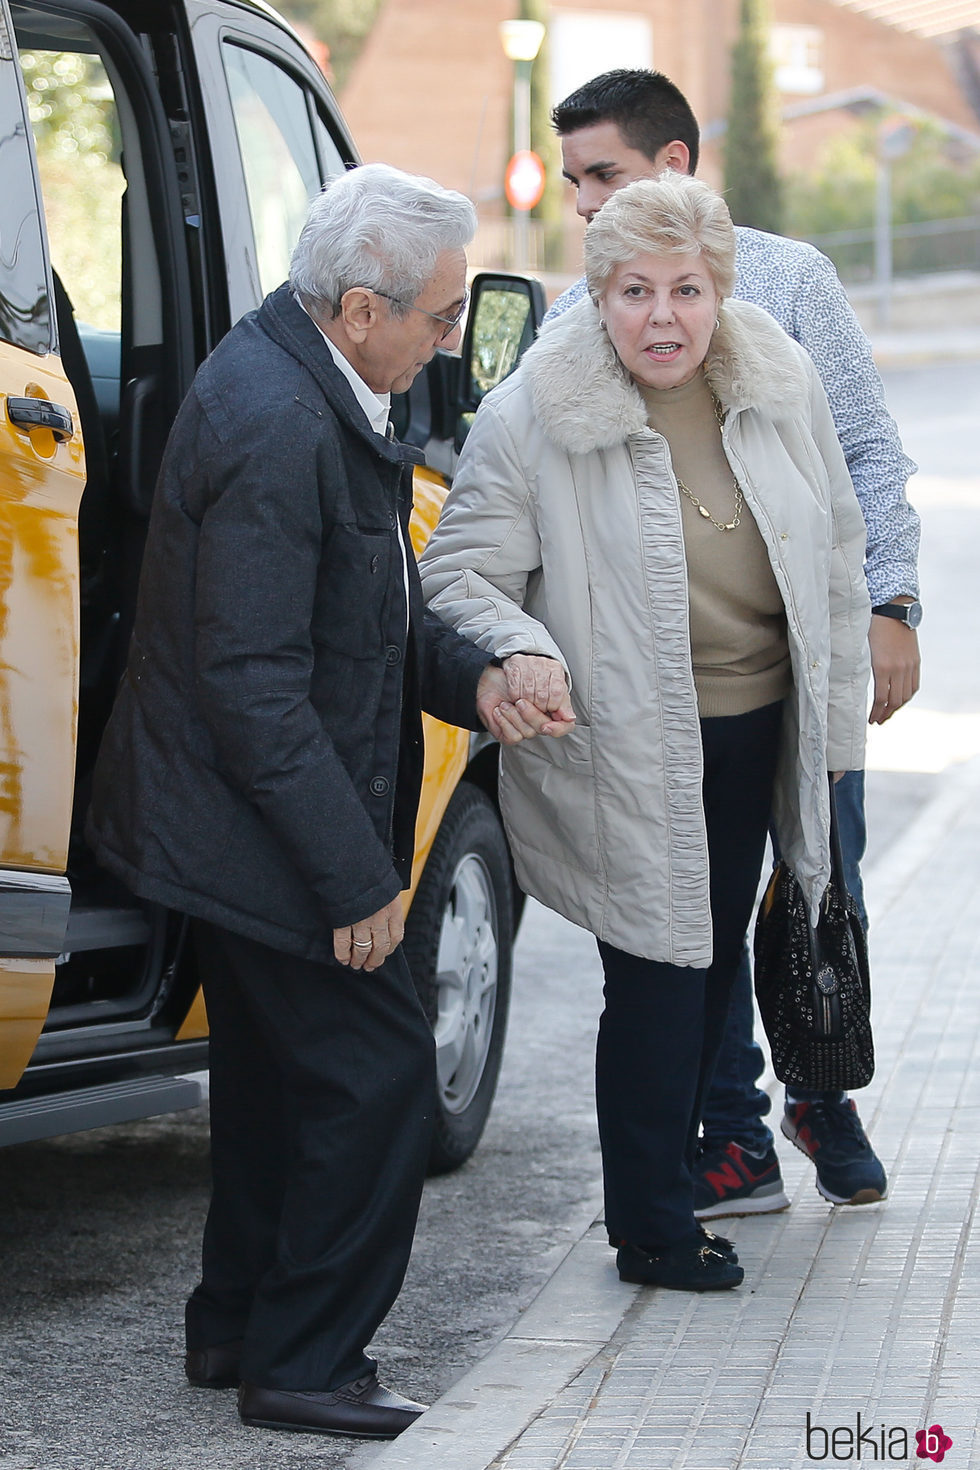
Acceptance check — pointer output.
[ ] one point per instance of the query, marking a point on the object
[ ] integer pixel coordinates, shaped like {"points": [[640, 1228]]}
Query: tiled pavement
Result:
{"points": [[870, 1312]]}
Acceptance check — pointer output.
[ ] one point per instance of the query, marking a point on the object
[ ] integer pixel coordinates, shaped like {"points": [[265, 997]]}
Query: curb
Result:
{"points": [[583, 1305], [566, 1326]]}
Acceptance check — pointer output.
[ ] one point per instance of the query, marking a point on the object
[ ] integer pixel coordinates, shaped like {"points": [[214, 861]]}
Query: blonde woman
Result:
{"points": [[656, 505]]}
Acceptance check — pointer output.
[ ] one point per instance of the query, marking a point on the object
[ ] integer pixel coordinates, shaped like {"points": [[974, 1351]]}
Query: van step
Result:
{"points": [[103, 928], [22, 1120]]}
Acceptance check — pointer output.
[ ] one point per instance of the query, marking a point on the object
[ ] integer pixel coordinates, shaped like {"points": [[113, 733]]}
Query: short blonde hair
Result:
{"points": [[670, 215]]}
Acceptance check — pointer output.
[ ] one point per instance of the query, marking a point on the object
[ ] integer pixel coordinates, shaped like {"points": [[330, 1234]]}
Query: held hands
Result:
{"points": [[895, 665], [527, 697], [368, 943]]}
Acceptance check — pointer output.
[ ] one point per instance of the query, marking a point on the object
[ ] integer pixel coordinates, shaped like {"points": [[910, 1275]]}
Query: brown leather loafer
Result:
{"points": [[364, 1409], [214, 1367]]}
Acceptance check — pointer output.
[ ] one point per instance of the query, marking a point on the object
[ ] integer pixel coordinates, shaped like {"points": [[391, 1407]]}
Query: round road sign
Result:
{"points": [[524, 180]]}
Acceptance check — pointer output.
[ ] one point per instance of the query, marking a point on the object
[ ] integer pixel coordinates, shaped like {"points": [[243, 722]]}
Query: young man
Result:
{"points": [[632, 124]]}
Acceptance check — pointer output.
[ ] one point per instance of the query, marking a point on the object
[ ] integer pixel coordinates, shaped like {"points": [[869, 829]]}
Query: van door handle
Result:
{"points": [[38, 413]]}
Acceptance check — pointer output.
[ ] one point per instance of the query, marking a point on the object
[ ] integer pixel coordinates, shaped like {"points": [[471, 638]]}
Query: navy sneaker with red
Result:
{"points": [[731, 1181], [829, 1132]]}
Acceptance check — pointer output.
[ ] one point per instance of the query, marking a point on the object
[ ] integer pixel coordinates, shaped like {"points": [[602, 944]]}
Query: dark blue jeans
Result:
{"points": [[662, 1024], [736, 1105]]}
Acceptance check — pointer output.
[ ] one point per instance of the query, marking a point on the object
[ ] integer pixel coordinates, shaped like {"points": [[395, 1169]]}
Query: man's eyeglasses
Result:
{"points": [[450, 322]]}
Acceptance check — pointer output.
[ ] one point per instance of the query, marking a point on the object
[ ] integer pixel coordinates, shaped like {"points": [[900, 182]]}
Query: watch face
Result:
{"points": [[913, 614]]}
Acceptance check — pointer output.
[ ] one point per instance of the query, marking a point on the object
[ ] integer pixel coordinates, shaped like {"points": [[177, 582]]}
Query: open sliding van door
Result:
{"points": [[98, 331], [41, 480]]}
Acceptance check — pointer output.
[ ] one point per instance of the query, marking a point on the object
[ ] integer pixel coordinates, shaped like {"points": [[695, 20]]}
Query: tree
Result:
{"points": [[76, 133], [752, 184], [343, 24], [932, 180], [544, 141]]}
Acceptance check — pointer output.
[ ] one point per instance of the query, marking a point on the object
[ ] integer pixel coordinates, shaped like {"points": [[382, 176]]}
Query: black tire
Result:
{"points": [[459, 943]]}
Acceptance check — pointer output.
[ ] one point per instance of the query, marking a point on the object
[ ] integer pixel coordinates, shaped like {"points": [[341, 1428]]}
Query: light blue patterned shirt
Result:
{"points": [[801, 289]]}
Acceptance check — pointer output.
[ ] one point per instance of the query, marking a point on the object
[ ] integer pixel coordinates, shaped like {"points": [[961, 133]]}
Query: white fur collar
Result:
{"points": [[584, 400]]}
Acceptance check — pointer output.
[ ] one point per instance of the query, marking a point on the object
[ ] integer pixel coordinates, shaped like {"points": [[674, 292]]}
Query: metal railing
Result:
{"points": [[926, 247]]}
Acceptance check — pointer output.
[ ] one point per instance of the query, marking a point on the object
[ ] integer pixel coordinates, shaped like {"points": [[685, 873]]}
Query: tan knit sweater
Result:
{"points": [[739, 647]]}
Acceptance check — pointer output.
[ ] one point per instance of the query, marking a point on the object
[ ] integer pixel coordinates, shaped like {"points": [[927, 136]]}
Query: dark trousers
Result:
{"points": [[322, 1086], [662, 1024]]}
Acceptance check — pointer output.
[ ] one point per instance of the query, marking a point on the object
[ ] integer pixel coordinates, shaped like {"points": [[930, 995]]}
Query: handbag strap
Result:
{"points": [[836, 855]]}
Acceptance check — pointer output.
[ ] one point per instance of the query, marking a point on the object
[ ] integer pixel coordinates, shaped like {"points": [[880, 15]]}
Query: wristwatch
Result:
{"points": [[909, 613]]}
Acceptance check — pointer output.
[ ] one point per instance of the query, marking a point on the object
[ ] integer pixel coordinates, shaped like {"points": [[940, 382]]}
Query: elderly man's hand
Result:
{"points": [[507, 699], [368, 943]]}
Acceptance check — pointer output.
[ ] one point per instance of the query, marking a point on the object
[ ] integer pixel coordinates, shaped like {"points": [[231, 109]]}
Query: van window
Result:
{"points": [[24, 310], [76, 131], [278, 135]]}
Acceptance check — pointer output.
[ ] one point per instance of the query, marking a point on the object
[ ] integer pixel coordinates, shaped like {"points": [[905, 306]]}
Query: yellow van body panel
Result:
{"points": [[195, 1023], [447, 748], [41, 483], [25, 994]]}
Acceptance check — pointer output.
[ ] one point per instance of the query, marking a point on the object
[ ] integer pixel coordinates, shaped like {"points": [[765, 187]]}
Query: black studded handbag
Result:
{"points": [[813, 985]]}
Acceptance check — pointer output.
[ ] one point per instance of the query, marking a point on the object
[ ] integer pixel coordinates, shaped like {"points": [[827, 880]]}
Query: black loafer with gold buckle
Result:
{"points": [[692, 1264], [720, 1243]]}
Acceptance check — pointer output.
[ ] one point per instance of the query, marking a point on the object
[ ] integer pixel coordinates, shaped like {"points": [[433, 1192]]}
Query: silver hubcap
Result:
{"points": [[466, 984]]}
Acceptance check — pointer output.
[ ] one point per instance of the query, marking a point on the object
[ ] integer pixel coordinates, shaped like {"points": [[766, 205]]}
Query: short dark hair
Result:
{"points": [[646, 107]]}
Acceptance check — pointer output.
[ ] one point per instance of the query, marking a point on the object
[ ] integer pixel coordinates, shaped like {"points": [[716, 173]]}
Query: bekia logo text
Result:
{"points": [[874, 1442]]}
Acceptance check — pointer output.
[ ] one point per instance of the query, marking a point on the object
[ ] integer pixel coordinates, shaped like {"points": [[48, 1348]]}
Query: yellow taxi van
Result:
{"points": [[156, 161]]}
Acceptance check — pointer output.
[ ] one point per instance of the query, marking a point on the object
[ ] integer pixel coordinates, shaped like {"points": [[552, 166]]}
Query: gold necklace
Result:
{"points": [[703, 510]]}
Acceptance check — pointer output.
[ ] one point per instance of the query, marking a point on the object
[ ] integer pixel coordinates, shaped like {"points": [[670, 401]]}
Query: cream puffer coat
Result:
{"points": [[562, 536]]}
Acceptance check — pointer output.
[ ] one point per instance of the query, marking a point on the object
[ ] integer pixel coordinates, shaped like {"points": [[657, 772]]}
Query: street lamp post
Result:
{"points": [[895, 138], [521, 40]]}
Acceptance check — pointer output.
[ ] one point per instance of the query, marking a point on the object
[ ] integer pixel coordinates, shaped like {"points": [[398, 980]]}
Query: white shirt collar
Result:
{"points": [[376, 406]]}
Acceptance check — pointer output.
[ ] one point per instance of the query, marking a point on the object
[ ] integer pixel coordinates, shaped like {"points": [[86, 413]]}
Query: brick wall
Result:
{"points": [[432, 89]]}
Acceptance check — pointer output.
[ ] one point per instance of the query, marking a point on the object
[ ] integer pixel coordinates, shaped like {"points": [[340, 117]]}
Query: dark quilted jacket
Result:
{"points": [[262, 764]]}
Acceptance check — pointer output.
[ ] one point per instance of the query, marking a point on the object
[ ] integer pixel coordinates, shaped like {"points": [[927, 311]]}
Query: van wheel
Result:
{"points": [[458, 943]]}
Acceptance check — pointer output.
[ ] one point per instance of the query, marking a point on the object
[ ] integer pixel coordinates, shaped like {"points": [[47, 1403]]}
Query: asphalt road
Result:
{"points": [[100, 1232], [100, 1240]]}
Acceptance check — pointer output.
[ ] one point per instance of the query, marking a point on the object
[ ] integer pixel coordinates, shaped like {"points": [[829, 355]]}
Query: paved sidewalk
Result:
{"points": [[907, 348], [868, 1312]]}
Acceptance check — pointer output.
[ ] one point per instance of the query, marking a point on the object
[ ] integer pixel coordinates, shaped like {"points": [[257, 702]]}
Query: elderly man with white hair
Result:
{"points": [[261, 773]]}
